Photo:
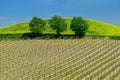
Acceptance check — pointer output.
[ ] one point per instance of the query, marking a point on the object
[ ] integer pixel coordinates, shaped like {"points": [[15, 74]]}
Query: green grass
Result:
{"points": [[96, 28]]}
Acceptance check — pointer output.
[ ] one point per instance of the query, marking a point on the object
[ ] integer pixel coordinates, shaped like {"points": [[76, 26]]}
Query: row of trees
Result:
{"points": [[57, 23]]}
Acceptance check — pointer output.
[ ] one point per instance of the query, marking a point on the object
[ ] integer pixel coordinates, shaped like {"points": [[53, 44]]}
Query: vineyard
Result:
{"points": [[60, 59]]}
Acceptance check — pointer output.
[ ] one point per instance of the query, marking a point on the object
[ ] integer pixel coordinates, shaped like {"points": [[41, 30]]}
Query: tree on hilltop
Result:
{"points": [[58, 24], [79, 26], [37, 25]]}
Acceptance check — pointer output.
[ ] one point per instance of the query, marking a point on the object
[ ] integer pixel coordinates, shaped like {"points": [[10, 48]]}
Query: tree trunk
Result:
{"points": [[58, 32]]}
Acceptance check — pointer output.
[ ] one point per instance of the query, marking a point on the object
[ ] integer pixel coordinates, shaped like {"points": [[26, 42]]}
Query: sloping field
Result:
{"points": [[60, 59]]}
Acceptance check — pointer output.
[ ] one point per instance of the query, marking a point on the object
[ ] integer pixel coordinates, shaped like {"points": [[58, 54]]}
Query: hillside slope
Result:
{"points": [[96, 28]]}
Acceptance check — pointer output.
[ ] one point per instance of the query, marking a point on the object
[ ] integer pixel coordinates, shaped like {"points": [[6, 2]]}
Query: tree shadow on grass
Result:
{"points": [[49, 36]]}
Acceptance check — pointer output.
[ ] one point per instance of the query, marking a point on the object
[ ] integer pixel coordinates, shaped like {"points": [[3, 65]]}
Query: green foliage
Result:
{"points": [[79, 26], [37, 25], [58, 23], [10, 36]]}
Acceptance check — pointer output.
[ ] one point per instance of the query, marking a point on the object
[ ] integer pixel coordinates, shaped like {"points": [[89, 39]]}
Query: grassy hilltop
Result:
{"points": [[97, 28]]}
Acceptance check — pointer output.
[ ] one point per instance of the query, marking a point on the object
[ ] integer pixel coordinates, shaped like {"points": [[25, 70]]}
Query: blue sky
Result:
{"points": [[12, 11]]}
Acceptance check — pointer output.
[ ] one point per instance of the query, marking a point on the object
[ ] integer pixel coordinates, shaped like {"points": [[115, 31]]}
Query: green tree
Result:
{"points": [[37, 25], [79, 26], [58, 23]]}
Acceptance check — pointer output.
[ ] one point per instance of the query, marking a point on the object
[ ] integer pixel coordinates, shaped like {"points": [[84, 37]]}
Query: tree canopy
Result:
{"points": [[79, 26], [58, 23], [37, 25]]}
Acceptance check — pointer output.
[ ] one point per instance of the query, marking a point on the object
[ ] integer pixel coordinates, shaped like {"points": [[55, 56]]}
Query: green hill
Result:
{"points": [[96, 28]]}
